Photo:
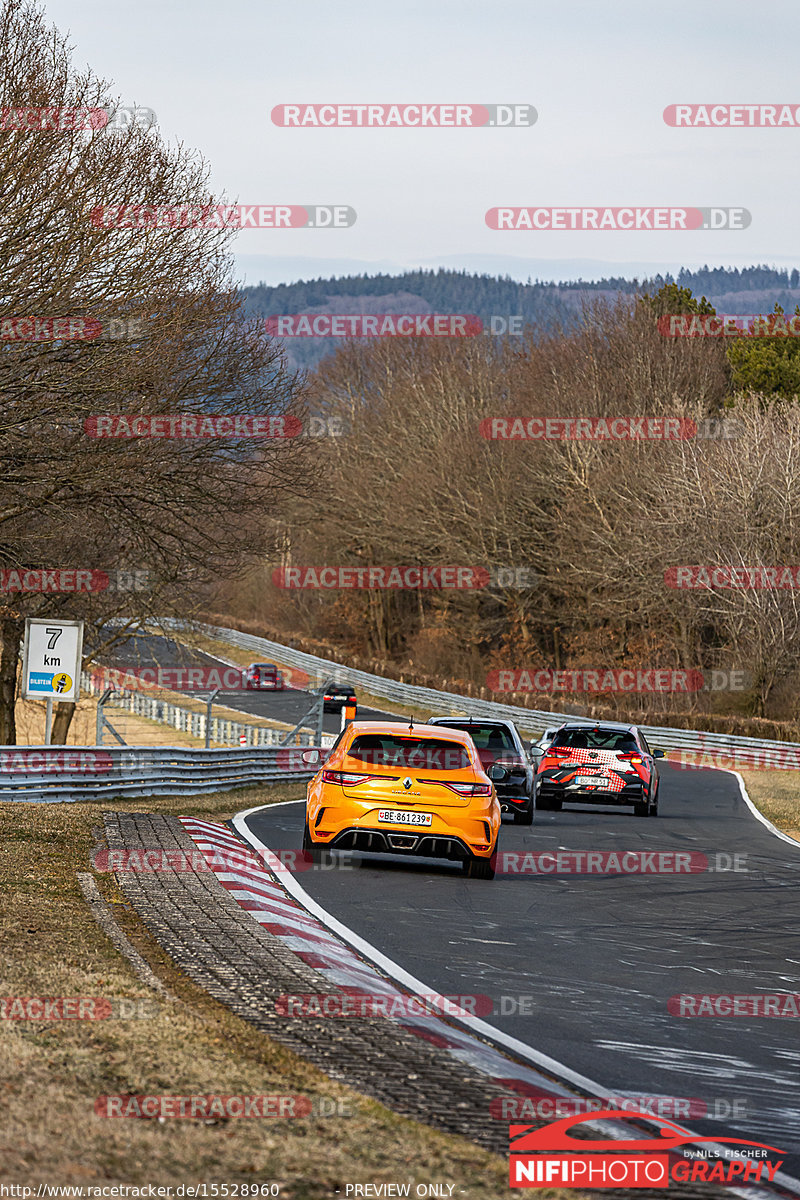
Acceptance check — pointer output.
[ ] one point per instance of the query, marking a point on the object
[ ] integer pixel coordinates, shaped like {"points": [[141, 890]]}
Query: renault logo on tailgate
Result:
{"points": [[407, 783]]}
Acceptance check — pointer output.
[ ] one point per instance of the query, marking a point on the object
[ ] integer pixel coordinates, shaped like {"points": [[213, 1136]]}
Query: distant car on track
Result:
{"points": [[537, 749], [546, 739], [607, 763], [265, 676], [499, 743], [396, 788], [338, 697]]}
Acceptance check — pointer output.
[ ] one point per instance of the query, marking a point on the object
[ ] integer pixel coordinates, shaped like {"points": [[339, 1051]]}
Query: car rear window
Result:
{"points": [[409, 753], [488, 737], [596, 739]]}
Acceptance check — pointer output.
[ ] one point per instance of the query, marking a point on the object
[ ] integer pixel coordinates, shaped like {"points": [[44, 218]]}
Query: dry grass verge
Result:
{"points": [[52, 1072], [777, 795]]}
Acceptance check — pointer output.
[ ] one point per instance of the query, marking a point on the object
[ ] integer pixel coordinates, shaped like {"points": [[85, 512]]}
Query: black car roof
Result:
{"points": [[617, 726], [471, 721]]}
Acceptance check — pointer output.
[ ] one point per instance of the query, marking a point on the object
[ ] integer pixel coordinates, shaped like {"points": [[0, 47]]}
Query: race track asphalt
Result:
{"points": [[592, 960]]}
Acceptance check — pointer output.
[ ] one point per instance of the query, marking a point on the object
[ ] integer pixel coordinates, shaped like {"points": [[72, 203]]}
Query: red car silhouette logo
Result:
{"points": [[525, 1139]]}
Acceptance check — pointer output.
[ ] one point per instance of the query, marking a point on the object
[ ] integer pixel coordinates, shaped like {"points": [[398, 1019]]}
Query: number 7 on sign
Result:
{"points": [[55, 634]]}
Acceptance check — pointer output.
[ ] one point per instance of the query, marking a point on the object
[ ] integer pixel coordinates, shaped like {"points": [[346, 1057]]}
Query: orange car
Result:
{"points": [[397, 788]]}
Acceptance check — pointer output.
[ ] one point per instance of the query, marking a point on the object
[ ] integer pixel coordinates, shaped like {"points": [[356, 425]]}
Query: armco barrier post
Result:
{"points": [[101, 720], [209, 703]]}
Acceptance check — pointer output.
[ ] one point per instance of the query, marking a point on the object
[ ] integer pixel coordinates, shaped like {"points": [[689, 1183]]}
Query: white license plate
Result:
{"points": [[399, 816], [595, 780]]}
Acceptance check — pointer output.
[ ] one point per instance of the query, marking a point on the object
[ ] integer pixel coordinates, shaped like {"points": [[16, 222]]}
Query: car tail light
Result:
{"points": [[558, 752], [632, 756], [351, 778], [463, 789], [344, 778]]}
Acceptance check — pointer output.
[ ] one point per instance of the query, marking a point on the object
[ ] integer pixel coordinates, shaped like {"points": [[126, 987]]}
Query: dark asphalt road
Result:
{"points": [[289, 705], [601, 955]]}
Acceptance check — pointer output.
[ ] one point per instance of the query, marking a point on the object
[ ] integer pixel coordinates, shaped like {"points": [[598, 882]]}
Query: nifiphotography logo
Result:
{"points": [[550, 1157]]}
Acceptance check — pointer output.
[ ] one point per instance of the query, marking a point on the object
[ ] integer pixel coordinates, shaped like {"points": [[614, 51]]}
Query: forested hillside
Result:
{"points": [[545, 305]]}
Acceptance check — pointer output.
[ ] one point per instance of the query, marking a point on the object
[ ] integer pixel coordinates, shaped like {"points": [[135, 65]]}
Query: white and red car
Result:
{"points": [[606, 763]]}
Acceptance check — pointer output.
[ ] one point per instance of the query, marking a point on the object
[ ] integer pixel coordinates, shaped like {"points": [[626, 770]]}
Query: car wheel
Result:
{"points": [[551, 804], [524, 816], [479, 868]]}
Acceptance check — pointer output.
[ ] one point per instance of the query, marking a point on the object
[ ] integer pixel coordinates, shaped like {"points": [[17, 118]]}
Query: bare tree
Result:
{"points": [[186, 510]]}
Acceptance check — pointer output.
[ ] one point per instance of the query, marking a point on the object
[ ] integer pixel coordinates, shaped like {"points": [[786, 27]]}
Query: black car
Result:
{"points": [[607, 763], [264, 675], [337, 697], [498, 744]]}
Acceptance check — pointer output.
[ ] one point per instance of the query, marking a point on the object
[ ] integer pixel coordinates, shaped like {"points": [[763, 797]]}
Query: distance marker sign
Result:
{"points": [[51, 665]]}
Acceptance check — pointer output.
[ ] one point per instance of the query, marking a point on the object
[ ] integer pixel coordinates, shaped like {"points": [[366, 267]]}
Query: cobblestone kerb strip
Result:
{"points": [[223, 950]]}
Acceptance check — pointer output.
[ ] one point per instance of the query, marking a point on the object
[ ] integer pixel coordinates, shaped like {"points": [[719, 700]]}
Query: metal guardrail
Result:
{"points": [[743, 751], [72, 773], [47, 774], [196, 724]]}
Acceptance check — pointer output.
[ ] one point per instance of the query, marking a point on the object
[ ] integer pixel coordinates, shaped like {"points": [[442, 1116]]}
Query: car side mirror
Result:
{"points": [[659, 754], [536, 753], [313, 757], [497, 774]]}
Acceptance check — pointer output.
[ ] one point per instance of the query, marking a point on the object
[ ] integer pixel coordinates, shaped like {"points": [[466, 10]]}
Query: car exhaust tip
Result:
{"points": [[401, 841]]}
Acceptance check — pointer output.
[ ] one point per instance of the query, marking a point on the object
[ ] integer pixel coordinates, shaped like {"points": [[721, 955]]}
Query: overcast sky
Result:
{"points": [[598, 74]]}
